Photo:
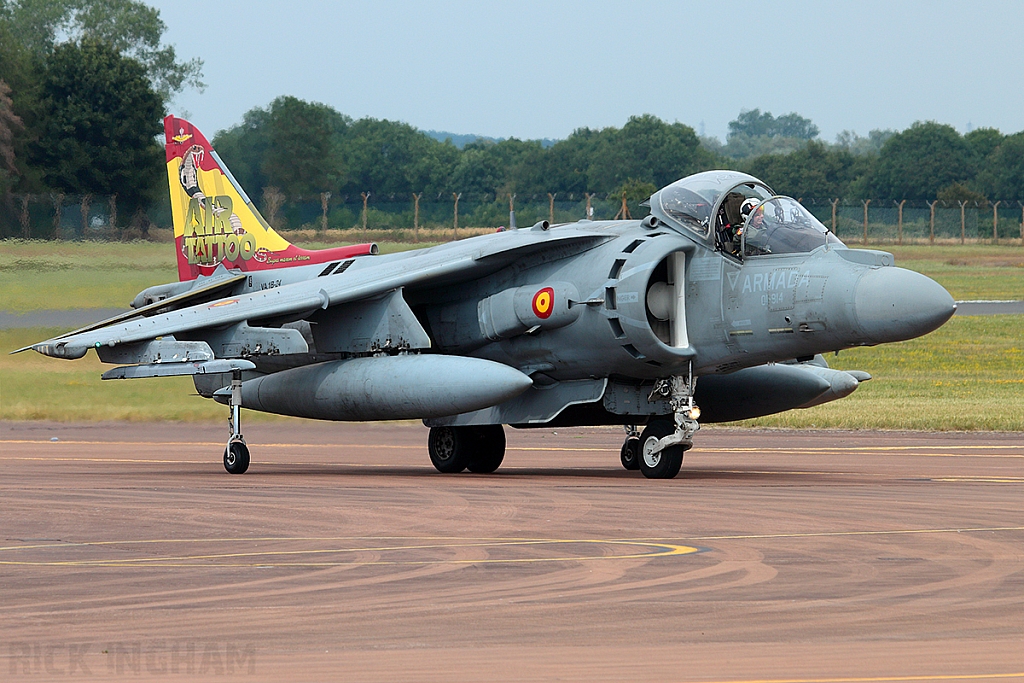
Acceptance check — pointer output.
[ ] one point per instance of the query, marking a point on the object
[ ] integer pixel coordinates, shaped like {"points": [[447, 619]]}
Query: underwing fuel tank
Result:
{"points": [[385, 388]]}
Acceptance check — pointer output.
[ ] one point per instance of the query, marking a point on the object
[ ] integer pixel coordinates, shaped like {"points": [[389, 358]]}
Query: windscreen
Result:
{"points": [[781, 225]]}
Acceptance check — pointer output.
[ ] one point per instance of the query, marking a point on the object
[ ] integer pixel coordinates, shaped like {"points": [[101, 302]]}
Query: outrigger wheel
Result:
{"points": [[236, 457]]}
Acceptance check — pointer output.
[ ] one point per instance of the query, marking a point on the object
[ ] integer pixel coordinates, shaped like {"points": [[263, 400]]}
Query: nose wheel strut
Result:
{"points": [[236, 453], [679, 391]]}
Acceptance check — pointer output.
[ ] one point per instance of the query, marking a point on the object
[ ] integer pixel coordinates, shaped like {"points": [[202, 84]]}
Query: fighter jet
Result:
{"points": [[719, 305]]}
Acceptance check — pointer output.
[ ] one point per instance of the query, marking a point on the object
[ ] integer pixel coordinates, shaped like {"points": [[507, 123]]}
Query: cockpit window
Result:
{"points": [[687, 207], [691, 201], [781, 225]]}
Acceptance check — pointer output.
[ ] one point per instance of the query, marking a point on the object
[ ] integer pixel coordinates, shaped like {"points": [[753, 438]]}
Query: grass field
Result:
{"points": [[967, 375]]}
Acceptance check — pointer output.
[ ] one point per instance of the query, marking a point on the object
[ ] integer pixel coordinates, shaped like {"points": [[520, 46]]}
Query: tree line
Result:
{"points": [[84, 85]]}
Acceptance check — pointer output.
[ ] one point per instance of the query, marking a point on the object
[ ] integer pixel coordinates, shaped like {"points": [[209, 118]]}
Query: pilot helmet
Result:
{"points": [[748, 205]]}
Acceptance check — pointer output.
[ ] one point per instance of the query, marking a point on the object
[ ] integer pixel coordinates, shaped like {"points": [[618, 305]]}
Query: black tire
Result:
{"points": [[449, 448], [236, 457], [486, 457], [663, 465], [629, 454]]}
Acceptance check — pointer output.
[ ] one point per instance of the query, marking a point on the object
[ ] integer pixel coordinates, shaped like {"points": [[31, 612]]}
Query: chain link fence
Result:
{"points": [[88, 217]]}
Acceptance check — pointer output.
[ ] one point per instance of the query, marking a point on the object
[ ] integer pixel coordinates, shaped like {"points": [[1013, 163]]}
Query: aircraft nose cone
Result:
{"points": [[894, 304]]}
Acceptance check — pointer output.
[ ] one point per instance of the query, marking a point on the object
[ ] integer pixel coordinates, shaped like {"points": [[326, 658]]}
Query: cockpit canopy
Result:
{"points": [[782, 225], [709, 204]]}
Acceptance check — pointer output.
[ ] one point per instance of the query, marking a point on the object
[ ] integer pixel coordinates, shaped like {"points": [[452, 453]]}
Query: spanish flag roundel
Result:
{"points": [[543, 302]]}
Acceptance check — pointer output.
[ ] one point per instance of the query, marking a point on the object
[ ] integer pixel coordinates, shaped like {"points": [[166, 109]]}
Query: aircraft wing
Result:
{"points": [[441, 265]]}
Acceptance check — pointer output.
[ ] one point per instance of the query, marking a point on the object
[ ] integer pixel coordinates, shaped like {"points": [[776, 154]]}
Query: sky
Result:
{"points": [[531, 69]]}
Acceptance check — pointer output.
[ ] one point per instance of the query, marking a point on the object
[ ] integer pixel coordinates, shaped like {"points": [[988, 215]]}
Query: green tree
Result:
{"points": [[983, 143], [755, 124], [921, 160], [816, 171], [10, 124], [1007, 168], [131, 27], [99, 120], [387, 158], [647, 149], [636, 190], [304, 147], [243, 146]]}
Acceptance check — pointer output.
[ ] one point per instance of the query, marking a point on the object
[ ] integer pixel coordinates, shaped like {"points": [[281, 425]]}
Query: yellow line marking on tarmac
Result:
{"points": [[828, 534], [659, 550], [877, 679]]}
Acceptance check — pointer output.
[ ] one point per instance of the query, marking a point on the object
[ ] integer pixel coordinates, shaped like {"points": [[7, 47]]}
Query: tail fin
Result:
{"points": [[215, 222]]}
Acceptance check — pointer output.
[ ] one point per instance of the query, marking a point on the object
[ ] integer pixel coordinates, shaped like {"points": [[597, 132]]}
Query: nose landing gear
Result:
{"points": [[629, 454], [664, 441]]}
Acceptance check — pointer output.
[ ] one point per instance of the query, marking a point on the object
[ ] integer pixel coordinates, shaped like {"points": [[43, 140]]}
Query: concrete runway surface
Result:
{"points": [[128, 552]]}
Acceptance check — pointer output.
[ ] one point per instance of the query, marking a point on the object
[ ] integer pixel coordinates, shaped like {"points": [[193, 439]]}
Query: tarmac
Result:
{"points": [[128, 552]]}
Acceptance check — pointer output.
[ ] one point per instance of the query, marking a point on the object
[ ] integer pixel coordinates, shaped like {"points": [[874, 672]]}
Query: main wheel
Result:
{"points": [[489, 450], [236, 457], [449, 448], [629, 454], [664, 464]]}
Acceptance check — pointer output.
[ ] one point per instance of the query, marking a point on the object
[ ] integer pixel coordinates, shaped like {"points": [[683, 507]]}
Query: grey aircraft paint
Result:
{"points": [[726, 296]]}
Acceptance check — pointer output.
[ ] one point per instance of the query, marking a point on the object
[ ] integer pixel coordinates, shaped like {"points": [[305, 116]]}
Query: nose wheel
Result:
{"points": [[629, 454], [657, 461]]}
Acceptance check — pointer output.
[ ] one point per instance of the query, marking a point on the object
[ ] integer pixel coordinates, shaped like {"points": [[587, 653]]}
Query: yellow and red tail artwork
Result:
{"points": [[215, 222]]}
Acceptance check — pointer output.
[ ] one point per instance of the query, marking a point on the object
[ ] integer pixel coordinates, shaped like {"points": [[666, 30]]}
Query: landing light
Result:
{"points": [[694, 413]]}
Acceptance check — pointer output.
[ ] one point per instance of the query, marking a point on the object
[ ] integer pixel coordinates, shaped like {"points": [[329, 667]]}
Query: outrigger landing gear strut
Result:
{"points": [[236, 454]]}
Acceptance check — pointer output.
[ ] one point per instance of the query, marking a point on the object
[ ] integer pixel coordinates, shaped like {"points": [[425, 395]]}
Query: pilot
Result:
{"points": [[733, 245]]}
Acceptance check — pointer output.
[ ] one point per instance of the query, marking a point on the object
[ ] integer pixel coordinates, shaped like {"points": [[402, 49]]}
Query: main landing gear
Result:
{"points": [[658, 451], [479, 449], [236, 454]]}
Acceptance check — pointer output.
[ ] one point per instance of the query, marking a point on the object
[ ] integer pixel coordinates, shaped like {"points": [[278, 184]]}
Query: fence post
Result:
{"points": [[1021, 221], [24, 216], [866, 202], [416, 216], [963, 224], [931, 222], [324, 198], [995, 222], [112, 218], [624, 211], [366, 198], [86, 202], [457, 198], [58, 206], [899, 221], [551, 208], [835, 227]]}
